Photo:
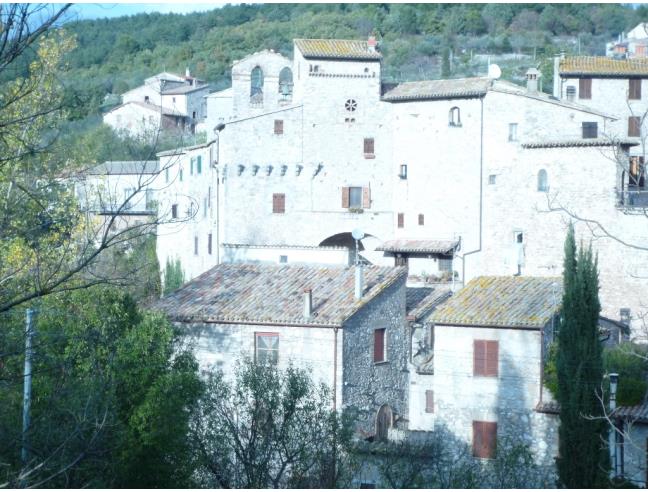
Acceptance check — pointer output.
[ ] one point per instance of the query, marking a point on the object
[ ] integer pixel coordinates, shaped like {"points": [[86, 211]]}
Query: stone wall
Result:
{"points": [[368, 385]]}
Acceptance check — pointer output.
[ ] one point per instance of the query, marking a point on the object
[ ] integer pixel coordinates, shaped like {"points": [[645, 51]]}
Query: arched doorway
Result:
{"points": [[384, 421], [366, 247]]}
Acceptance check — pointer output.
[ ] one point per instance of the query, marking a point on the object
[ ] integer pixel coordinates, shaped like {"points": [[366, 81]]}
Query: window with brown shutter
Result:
{"points": [[421, 219], [634, 89], [174, 211], [366, 197], [585, 88], [401, 220], [484, 439], [368, 147], [345, 197], [379, 345], [195, 245], [634, 126], [429, 401], [209, 244], [278, 127], [485, 358], [278, 203]]}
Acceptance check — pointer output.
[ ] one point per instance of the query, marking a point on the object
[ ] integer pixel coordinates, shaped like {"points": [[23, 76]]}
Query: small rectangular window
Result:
{"points": [[571, 92], [401, 220], [181, 174], [492, 179], [484, 439], [209, 244], [278, 127], [590, 129], [205, 208], [195, 245], [585, 88], [166, 175], [634, 126], [278, 203], [191, 166], [283, 259], [421, 219], [379, 345], [429, 401], [512, 132], [355, 197], [634, 89], [369, 147], [266, 348], [485, 358], [174, 211], [403, 171], [199, 164]]}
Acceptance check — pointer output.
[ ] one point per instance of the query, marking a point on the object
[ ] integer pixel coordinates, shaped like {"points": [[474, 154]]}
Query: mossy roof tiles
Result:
{"points": [[516, 302], [603, 66], [273, 294], [342, 49]]}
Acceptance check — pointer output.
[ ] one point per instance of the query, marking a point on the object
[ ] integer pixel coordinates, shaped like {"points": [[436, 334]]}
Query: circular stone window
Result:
{"points": [[351, 105]]}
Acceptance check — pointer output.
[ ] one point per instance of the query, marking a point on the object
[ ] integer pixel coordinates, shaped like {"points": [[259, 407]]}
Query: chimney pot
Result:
{"points": [[308, 303], [371, 43]]}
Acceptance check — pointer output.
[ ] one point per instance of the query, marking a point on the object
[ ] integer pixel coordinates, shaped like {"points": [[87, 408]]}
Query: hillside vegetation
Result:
{"points": [[114, 55]]}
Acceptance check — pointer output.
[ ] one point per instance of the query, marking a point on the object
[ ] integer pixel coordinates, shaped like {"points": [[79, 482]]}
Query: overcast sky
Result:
{"points": [[100, 10]]}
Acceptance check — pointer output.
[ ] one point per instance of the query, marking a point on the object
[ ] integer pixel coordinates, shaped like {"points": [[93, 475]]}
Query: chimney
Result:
{"points": [[187, 72], [359, 281], [532, 77], [372, 43], [308, 303]]}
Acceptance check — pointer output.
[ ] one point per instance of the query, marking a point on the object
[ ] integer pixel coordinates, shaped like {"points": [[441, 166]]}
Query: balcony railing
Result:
{"points": [[633, 198]]}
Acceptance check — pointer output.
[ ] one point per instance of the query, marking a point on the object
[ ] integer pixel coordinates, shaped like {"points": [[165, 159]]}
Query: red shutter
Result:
{"points": [[401, 220], [484, 439], [278, 203], [429, 401], [479, 358], [421, 219], [634, 124], [585, 88], [379, 345], [492, 358], [278, 127], [366, 197], [209, 244], [345, 197], [634, 90], [368, 145]]}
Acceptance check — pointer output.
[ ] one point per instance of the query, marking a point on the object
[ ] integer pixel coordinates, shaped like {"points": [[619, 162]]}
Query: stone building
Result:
{"points": [[345, 325], [476, 365], [165, 101]]}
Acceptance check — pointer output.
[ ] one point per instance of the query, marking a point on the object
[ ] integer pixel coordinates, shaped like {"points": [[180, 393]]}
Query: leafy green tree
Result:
{"points": [[583, 461], [270, 428], [173, 275], [113, 390]]}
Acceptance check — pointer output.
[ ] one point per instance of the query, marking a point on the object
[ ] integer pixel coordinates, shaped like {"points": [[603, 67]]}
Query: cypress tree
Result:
{"points": [[584, 460]]}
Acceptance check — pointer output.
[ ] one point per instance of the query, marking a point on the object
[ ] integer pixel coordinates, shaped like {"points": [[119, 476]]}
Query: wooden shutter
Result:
{"points": [[585, 88], [634, 124], [366, 197], [209, 244], [278, 127], [379, 345], [195, 245], [278, 203], [401, 220], [479, 358], [492, 358], [485, 358], [345, 197], [634, 90], [421, 219], [484, 439], [429, 401], [368, 145]]}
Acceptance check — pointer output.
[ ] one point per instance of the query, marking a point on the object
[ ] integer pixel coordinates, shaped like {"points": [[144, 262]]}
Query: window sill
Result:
{"points": [[454, 125], [381, 363], [353, 210], [370, 156]]}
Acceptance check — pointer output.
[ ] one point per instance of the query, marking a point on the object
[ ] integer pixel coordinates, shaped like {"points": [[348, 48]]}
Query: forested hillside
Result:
{"points": [[114, 55]]}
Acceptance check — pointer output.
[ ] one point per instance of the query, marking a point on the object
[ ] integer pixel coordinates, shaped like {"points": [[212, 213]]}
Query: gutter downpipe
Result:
{"points": [[481, 191]]}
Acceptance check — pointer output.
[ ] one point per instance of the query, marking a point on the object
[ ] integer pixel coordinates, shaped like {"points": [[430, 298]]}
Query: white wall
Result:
{"points": [[134, 119], [293, 254]]}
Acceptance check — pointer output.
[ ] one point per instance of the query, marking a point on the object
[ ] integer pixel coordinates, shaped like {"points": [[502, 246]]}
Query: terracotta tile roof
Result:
{"points": [[337, 49], [151, 107], [255, 293], [580, 142], [419, 301], [636, 413], [184, 89], [517, 302], [280, 246], [418, 246], [603, 65], [439, 89]]}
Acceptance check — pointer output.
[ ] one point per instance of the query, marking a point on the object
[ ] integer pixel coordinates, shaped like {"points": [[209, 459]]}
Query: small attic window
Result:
{"points": [[454, 117]]}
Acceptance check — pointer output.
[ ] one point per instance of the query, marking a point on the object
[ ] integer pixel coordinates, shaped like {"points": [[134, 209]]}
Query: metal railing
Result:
{"points": [[632, 198]]}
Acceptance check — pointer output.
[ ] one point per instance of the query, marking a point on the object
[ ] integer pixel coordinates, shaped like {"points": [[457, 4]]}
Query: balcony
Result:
{"points": [[632, 198]]}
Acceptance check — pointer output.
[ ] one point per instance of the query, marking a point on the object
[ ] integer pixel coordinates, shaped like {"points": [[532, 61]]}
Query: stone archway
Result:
{"points": [[366, 246], [384, 421]]}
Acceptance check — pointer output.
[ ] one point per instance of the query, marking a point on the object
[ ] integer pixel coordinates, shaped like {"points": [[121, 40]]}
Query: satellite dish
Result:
{"points": [[357, 234], [494, 71]]}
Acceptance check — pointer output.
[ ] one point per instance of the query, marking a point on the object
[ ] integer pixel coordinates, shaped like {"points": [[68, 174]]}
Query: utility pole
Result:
{"points": [[30, 315]]}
